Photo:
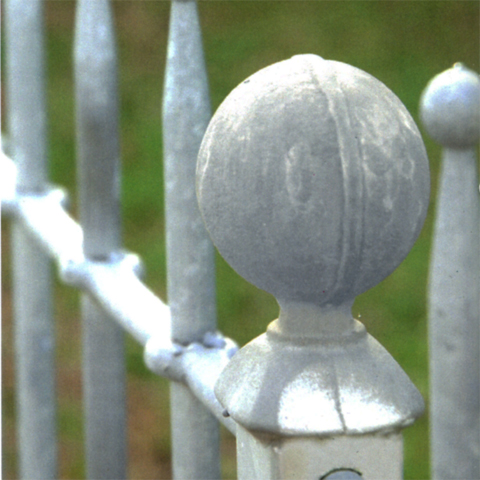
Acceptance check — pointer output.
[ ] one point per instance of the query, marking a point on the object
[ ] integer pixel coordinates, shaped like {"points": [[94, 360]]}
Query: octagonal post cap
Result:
{"points": [[450, 107], [313, 180]]}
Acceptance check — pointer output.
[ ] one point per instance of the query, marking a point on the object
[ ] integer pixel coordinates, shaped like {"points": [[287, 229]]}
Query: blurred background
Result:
{"points": [[402, 43]]}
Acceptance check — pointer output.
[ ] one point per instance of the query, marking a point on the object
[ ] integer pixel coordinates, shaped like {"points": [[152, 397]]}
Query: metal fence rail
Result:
{"points": [[313, 182]]}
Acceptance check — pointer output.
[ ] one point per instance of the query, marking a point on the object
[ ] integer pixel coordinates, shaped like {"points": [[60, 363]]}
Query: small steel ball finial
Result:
{"points": [[313, 182], [450, 107]]}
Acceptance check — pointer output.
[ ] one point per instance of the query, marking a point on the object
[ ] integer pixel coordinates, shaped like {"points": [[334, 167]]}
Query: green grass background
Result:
{"points": [[402, 43]]}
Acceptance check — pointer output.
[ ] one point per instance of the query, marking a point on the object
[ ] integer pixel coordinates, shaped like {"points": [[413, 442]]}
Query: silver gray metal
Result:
{"points": [[114, 284], [372, 457], [116, 287], [27, 121], [198, 366], [33, 313], [190, 255], [8, 179], [313, 182], [99, 184], [450, 110]]}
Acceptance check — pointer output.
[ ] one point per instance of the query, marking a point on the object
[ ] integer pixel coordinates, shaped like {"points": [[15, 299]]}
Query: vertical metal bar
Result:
{"points": [[190, 264], [34, 336], [454, 321], [451, 114], [26, 92], [99, 186]]}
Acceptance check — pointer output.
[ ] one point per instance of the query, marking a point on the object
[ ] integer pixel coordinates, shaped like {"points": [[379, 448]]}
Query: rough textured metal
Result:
{"points": [[310, 458], [334, 383], [450, 109], [198, 366], [315, 192], [98, 176], [324, 201], [313, 182], [190, 254], [116, 287], [186, 113], [33, 313]]}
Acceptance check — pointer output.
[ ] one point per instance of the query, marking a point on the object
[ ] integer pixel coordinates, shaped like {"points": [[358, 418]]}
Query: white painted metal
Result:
{"points": [[116, 286], [313, 182], [450, 109], [199, 365], [190, 254], [335, 217], [316, 458], [99, 176], [33, 328]]}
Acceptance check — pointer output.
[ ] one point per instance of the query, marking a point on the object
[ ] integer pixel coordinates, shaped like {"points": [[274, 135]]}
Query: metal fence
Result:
{"points": [[313, 183]]}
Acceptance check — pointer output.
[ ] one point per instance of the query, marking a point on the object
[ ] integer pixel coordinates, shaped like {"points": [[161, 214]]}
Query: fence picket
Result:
{"points": [[450, 109], [190, 261], [32, 280], [315, 352], [98, 169]]}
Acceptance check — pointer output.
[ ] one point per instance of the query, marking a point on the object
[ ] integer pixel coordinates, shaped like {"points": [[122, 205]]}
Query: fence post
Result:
{"points": [[34, 333], [99, 190], [313, 182], [190, 260], [450, 110]]}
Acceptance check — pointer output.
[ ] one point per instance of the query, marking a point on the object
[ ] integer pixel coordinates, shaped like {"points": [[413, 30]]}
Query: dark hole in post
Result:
{"points": [[342, 474]]}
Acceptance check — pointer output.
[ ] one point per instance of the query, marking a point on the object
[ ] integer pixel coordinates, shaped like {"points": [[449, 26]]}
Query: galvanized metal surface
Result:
{"points": [[269, 202], [199, 365], [309, 458], [34, 359], [27, 118], [328, 385], [313, 182], [117, 287], [450, 109], [315, 344], [98, 172], [33, 328], [190, 254]]}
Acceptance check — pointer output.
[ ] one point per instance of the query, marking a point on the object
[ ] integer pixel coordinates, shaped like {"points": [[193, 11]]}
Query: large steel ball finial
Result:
{"points": [[313, 180], [313, 183], [450, 107]]}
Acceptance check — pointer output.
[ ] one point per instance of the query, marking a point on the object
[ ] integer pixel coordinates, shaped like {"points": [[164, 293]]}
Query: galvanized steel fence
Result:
{"points": [[313, 182]]}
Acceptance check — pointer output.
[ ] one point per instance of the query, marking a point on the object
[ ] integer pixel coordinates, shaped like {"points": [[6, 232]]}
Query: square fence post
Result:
{"points": [[313, 182]]}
